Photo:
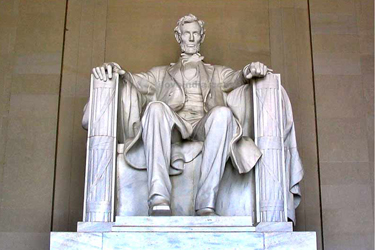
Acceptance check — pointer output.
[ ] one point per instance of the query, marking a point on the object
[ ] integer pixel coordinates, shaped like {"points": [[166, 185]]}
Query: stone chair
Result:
{"points": [[259, 194]]}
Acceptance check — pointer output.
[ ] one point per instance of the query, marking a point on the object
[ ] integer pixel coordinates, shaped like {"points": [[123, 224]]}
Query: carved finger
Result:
{"points": [[252, 69], [109, 70], [251, 66], [261, 67], [99, 73], [95, 74], [245, 70], [103, 73], [258, 68], [121, 72], [265, 69]]}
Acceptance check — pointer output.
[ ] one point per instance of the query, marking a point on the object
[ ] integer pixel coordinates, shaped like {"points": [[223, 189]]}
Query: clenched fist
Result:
{"points": [[255, 69]]}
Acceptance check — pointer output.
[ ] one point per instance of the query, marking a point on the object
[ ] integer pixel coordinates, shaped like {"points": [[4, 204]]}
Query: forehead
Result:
{"points": [[193, 26]]}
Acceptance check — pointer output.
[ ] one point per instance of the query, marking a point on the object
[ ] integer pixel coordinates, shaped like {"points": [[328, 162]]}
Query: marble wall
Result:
{"points": [[291, 56], [343, 56], [31, 45], [322, 48], [84, 48]]}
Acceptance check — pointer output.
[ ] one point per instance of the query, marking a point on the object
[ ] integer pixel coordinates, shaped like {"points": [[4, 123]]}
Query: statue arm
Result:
{"points": [[231, 79], [144, 82]]}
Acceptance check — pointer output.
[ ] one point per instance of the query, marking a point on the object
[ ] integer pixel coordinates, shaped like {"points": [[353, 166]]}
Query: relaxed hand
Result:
{"points": [[106, 71]]}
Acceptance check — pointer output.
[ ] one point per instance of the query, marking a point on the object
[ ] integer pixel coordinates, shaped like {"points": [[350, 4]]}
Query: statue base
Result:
{"points": [[183, 232]]}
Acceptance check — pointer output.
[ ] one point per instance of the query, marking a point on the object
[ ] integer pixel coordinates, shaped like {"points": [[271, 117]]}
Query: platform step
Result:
{"points": [[183, 221], [184, 224], [184, 233], [184, 241], [183, 229]]}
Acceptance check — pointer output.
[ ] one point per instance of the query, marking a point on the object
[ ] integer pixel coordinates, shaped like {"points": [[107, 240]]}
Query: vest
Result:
{"points": [[193, 110]]}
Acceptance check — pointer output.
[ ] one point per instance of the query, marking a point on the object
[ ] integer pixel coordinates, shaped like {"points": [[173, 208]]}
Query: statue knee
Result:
{"points": [[155, 113], [156, 108], [222, 114]]}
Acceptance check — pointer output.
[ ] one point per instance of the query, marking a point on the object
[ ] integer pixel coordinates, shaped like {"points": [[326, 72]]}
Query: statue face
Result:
{"points": [[190, 38]]}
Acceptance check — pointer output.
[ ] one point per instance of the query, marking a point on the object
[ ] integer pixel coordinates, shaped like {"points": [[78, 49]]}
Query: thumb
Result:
{"points": [[119, 71], [249, 76]]}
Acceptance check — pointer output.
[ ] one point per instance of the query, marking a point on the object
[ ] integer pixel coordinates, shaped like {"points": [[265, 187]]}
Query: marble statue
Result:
{"points": [[172, 115]]}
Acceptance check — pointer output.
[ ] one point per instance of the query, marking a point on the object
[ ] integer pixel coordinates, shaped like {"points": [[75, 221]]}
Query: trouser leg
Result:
{"points": [[157, 123], [216, 129]]}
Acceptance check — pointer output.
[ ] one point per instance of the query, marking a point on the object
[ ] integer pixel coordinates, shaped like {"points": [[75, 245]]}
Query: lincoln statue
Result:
{"points": [[182, 103]]}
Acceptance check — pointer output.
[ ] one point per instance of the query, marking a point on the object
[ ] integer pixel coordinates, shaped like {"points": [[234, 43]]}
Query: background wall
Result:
{"points": [[31, 45], [343, 53], [323, 49]]}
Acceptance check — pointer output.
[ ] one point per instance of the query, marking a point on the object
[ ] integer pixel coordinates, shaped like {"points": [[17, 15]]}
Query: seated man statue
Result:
{"points": [[188, 100]]}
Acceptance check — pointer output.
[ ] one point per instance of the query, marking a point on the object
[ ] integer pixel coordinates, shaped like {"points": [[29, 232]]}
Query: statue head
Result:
{"points": [[190, 33]]}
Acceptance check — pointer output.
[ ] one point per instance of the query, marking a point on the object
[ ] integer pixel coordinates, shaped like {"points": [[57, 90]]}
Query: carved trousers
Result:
{"points": [[216, 130]]}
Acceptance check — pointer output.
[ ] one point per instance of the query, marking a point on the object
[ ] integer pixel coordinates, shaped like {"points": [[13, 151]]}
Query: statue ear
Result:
{"points": [[203, 37], [177, 36]]}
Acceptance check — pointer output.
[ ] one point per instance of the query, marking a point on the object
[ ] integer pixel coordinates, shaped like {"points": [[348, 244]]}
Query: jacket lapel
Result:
{"points": [[175, 72], [206, 72]]}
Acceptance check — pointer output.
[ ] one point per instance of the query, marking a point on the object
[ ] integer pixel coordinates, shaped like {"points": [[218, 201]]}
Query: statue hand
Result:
{"points": [[110, 68], [256, 69]]}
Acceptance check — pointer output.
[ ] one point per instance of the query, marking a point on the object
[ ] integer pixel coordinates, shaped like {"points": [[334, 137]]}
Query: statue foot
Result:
{"points": [[206, 212], [160, 210], [159, 206]]}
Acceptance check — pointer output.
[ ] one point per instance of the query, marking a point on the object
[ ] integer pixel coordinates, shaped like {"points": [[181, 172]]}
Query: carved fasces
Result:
{"points": [[101, 150], [270, 170]]}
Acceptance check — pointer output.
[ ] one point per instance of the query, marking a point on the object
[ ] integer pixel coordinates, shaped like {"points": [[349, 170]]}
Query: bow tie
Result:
{"points": [[194, 58]]}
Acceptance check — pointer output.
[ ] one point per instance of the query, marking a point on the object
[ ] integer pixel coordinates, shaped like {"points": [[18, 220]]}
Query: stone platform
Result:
{"points": [[180, 232]]}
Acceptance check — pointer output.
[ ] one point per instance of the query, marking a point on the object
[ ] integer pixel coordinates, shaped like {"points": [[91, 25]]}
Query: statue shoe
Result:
{"points": [[159, 206], [206, 212]]}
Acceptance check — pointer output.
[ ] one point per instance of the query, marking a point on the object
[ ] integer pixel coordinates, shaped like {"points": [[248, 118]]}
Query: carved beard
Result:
{"points": [[184, 48]]}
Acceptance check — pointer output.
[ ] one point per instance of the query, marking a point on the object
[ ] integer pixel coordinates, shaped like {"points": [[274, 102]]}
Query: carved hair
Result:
{"points": [[188, 19]]}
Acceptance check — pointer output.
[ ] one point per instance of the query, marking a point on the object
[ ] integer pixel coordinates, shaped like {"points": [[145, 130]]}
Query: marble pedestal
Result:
{"points": [[180, 232]]}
